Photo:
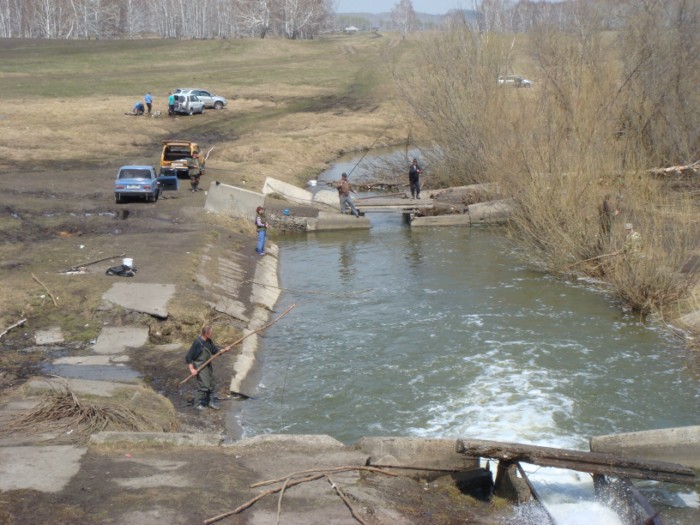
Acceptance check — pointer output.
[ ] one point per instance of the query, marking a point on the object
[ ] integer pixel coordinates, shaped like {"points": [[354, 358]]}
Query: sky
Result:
{"points": [[433, 7]]}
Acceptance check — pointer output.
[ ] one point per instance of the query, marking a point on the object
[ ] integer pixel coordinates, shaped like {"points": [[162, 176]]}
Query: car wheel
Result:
{"points": [[117, 198], [218, 105], [157, 196], [191, 112]]}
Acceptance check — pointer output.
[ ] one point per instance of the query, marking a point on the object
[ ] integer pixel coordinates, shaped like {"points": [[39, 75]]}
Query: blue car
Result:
{"points": [[137, 181]]}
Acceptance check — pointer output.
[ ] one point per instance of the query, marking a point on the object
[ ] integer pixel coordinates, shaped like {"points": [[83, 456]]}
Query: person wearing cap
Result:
{"points": [[633, 242], [414, 172], [344, 191], [262, 226]]}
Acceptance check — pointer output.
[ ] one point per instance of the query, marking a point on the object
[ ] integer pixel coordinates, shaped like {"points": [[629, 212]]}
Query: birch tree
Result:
{"points": [[404, 16]]}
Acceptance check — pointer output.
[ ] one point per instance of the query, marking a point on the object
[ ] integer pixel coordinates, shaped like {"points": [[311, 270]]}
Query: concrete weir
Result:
{"points": [[297, 209]]}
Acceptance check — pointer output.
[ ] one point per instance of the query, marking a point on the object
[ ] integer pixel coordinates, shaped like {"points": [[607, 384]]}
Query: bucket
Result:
{"points": [[128, 262]]}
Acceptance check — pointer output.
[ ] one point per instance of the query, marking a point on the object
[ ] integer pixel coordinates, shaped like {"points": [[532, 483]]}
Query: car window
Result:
{"points": [[195, 98], [135, 174]]}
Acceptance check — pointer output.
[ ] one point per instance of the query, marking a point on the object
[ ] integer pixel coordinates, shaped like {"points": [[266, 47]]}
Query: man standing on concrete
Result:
{"points": [[202, 349], [414, 179], [344, 190]]}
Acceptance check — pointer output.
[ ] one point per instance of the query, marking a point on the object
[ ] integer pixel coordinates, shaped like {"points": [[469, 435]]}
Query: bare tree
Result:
{"points": [[254, 16], [404, 16]]}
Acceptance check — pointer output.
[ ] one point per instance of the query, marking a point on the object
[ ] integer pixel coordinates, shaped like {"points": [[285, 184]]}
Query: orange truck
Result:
{"points": [[182, 159]]}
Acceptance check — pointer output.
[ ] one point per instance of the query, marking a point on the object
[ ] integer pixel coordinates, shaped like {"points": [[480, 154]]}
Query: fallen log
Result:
{"points": [[592, 462]]}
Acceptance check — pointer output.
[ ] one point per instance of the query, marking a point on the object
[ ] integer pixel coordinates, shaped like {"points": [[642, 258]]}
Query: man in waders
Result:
{"points": [[202, 349]]}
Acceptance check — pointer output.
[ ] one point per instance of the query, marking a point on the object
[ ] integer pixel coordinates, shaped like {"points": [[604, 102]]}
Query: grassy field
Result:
{"points": [[294, 105]]}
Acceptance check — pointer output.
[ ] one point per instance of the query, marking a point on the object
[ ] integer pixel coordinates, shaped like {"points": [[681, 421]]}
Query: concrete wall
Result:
{"points": [[233, 201], [675, 445], [427, 453]]}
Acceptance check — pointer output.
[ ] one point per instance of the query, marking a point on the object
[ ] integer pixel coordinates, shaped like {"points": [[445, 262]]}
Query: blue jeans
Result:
{"points": [[346, 202], [261, 241]]}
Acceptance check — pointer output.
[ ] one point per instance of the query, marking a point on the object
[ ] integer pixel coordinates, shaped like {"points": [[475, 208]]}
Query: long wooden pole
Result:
{"points": [[73, 268], [237, 342], [592, 462]]}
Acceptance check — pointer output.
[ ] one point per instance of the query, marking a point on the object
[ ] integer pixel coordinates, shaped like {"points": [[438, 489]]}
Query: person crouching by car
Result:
{"points": [[138, 108]]}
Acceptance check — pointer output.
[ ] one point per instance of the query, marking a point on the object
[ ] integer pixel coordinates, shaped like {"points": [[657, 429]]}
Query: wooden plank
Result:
{"points": [[592, 462]]}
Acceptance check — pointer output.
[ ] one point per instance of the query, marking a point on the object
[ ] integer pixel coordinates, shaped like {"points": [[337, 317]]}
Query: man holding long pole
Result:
{"points": [[202, 350]]}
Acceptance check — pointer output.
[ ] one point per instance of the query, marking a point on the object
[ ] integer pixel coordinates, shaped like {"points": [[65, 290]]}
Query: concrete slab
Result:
{"points": [[327, 221], [115, 339], [674, 445], [148, 298], [79, 386], [46, 469], [288, 191], [441, 220], [50, 336], [94, 360], [118, 373], [232, 201], [491, 212], [172, 438], [416, 452]]}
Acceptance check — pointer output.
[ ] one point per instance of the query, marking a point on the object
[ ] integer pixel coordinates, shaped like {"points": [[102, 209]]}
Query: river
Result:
{"points": [[444, 332]]}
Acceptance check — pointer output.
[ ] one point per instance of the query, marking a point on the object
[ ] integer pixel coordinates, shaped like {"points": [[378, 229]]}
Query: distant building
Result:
{"points": [[351, 29]]}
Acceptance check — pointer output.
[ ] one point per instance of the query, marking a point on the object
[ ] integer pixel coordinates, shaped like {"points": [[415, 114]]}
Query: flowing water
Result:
{"points": [[445, 333]]}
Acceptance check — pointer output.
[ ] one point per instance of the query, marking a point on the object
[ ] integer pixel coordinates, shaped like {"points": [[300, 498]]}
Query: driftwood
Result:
{"points": [[678, 170], [18, 323], [55, 302], [237, 342], [289, 481], [592, 462]]}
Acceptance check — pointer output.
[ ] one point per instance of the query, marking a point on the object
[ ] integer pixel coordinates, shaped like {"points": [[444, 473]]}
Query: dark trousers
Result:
{"points": [[205, 386], [415, 188]]}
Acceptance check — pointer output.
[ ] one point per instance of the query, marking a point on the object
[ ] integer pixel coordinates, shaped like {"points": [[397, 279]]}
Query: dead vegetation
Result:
{"points": [[73, 419], [604, 116]]}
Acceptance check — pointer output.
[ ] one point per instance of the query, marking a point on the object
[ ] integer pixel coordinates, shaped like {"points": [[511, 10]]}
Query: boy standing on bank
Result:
{"points": [[262, 225]]}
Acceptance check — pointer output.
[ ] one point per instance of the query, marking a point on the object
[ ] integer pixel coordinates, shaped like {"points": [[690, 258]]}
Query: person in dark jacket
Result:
{"points": [[414, 178], [202, 349]]}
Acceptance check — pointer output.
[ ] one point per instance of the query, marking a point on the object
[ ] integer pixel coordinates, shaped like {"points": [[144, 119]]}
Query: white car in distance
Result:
{"points": [[515, 81], [209, 99]]}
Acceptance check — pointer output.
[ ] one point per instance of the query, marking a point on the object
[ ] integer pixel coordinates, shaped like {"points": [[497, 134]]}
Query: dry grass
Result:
{"points": [[74, 419], [558, 148]]}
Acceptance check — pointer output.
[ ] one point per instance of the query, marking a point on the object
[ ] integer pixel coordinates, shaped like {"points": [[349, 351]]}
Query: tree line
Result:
{"points": [[107, 19]]}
